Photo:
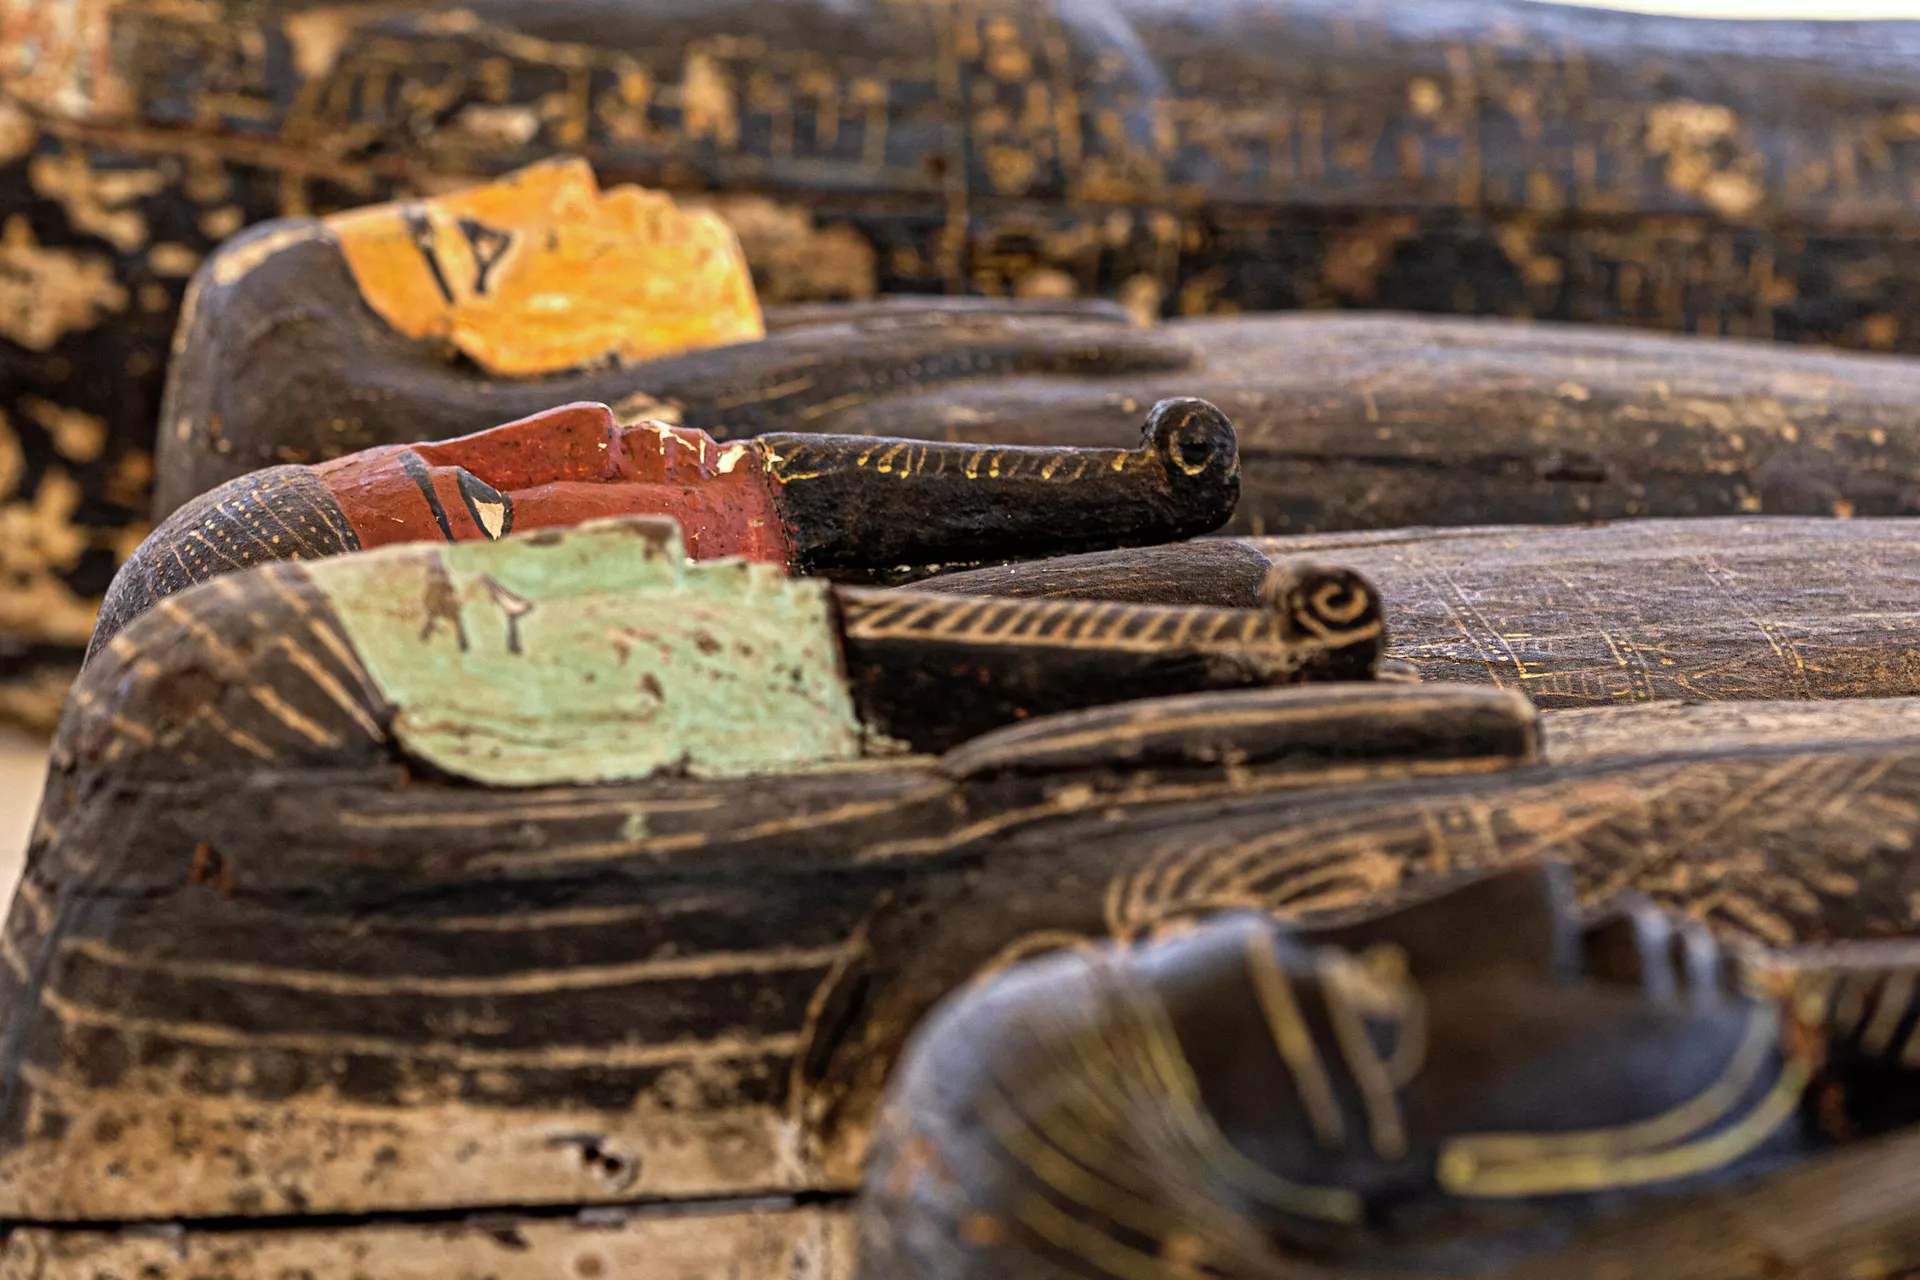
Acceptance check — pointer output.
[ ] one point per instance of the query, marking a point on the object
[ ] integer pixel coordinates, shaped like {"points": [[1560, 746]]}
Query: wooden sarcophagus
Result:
{"points": [[362, 930], [1490, 158]]}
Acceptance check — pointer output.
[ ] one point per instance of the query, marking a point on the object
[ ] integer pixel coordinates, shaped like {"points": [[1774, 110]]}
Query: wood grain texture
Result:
{"points": [[1709, 610], [769, 1239], [1598, 733]]}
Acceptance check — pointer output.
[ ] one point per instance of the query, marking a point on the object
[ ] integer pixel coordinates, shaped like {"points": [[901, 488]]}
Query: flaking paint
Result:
{"points": [[595, 655]]}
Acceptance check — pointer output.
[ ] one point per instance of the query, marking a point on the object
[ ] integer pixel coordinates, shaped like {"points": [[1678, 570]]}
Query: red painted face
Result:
{"points": [[557, 469]]}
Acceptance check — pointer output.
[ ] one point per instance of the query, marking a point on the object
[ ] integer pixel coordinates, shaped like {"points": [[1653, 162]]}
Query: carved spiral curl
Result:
{"points": [[1334, 605]]}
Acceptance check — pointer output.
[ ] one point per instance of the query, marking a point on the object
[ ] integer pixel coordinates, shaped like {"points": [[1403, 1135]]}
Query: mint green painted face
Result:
{"points": [[595, 654]]}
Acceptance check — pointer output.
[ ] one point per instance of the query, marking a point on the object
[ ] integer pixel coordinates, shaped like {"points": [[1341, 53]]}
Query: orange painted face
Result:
{"points": [[557, 469], [542, 272]]}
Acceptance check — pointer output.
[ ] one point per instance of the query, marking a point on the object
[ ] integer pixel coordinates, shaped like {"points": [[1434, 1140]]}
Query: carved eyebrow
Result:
{"points": [[416, 469]]}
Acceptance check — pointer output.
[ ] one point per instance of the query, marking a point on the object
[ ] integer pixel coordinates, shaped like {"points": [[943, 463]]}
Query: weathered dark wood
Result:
{"points": [[1599, 733], [262, 937], [1638, 611], [1479, 422], [1490, 156], [810, 503], [1255, 1099]]}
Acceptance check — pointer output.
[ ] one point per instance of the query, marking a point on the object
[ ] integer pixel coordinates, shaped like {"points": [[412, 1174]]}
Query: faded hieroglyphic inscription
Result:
{"points": [[595, 654], [1655, 828], [1649, 610]]}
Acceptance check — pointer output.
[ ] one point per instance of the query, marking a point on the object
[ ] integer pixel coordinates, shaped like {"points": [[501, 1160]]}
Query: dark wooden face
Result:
{"points": [[1446, 1082], [558, 469]]}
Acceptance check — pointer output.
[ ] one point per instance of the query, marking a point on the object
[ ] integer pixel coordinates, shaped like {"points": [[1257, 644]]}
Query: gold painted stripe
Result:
{"points": [[1086, 1243], [1294, 1041], [325, 681], [36, 899], [336, 644], [10, 953], [292, 717], [238, 737], [198, 534], [1180, 1092], [333, 1044], [1458, 1174], [1850, 1004], [518, 922], [130, 728], [1385, 1125], [1073, 1179], [1241, 785], [557, 811], [1896, 1001], [959, 621], [1572, 1161], [170, 608], [238, 669], [532, 982]]}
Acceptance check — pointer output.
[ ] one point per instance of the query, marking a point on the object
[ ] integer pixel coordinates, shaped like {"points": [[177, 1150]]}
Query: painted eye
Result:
{"points": [[491, 509]]}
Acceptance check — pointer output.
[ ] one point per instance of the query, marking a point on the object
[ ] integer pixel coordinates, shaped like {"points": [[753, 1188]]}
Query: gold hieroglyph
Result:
{"points": [[542, 272]]}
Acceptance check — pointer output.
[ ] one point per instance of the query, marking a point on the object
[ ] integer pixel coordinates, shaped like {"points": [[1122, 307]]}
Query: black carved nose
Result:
{"points": [[1192, 437]]}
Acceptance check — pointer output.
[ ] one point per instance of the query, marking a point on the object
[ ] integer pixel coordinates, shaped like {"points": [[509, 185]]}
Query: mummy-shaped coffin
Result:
{"points": [[551, 872], [1456, 1087], [808, 502]]}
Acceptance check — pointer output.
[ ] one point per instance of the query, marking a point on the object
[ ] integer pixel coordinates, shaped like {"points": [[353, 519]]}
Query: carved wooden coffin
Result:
{"points": [[1453, 1087], [1643, 610], [334, 930], [1468, 155], [306, 339], [851, 505]]}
